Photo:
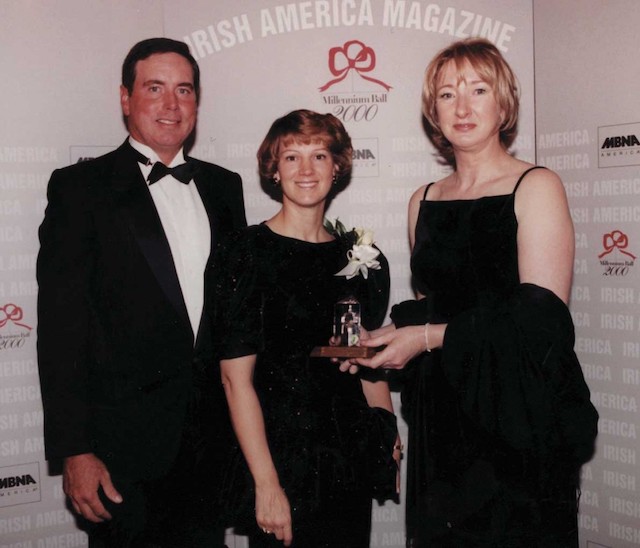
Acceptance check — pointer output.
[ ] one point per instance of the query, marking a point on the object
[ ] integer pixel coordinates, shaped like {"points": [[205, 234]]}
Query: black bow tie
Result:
{"points": [[184, 172]]}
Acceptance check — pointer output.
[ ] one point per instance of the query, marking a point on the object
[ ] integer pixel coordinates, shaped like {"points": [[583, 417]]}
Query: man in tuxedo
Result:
{"points": [[133, 402]]}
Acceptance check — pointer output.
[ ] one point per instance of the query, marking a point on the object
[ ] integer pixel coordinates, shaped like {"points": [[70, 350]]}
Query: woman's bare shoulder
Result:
{"points": [[541, 183], [434, 192]]}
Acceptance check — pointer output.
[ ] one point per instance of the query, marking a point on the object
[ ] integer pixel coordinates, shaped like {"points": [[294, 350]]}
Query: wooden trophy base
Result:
{"points": [[343, 352]]}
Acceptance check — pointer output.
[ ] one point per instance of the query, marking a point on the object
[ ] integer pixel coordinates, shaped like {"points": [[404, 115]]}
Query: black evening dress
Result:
{"points": [[276, 299], [499, 419]]}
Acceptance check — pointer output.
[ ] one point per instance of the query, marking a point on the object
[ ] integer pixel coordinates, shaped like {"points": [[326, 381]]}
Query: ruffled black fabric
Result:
{"points": [[521, 425], [518, 356]]}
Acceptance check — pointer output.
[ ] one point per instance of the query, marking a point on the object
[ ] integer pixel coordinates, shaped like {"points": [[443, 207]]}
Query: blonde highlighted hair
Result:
{"points": [[488, 62]]}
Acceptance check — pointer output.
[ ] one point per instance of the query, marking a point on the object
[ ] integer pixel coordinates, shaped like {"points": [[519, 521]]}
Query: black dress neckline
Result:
{"points": [[269, 230]]}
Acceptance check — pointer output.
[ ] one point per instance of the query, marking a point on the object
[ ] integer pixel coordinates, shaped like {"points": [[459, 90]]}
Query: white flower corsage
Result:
{"points": [[362, 255]]}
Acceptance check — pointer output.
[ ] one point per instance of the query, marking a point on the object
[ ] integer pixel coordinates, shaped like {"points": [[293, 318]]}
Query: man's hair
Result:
{"points": [[146, 48]]}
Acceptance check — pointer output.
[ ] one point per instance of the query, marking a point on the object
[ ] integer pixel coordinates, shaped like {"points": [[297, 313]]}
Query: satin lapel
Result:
{"points": [[137, 208], [211, 203], [208, 190]]}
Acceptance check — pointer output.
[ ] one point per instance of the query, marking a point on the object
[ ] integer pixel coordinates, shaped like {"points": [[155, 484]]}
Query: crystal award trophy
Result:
{"points": [[346, 322], [346, 333]]}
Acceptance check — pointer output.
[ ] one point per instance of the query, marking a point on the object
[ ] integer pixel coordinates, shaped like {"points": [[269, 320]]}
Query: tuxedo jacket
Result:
{"points": [[121, 375]]}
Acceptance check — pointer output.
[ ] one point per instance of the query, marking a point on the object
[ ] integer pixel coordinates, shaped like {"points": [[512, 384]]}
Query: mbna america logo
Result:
{"points": [[619, 145], [20, 484], [365, 157], [621, 141]]}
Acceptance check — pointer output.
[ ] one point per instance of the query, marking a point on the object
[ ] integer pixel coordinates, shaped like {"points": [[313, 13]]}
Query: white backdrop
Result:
{"points": [[588, 124], [61, 62]]}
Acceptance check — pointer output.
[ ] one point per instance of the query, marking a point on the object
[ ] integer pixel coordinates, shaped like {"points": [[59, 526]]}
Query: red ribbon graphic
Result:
{"points": [[615, 240], [12, 314], [352, 55]]}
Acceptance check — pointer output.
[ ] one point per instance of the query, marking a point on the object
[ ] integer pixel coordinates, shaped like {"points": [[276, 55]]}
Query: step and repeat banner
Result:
{"points": [[588, 130], [362, 60]]}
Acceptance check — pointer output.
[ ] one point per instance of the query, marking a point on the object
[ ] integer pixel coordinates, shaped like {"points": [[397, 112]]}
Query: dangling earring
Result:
{"points": [[335, 179], [276, 179]]}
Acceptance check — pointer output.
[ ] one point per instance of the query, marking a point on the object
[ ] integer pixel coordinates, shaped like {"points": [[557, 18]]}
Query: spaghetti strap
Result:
{"points": [[424, 197], [523, 176]]}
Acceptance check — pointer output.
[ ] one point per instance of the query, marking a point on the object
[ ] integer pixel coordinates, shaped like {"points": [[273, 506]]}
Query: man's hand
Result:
{"points": [[83, 475]]}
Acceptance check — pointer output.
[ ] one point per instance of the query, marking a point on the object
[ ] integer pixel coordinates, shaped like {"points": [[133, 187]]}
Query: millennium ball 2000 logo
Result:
{"points": [[615, 258], [356, 93], [13, 330], [353, 91]]}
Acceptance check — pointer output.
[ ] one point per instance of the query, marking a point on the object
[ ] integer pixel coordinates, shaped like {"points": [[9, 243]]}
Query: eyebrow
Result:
{"points": [[162, 83], [471, 83], [316, 149]]}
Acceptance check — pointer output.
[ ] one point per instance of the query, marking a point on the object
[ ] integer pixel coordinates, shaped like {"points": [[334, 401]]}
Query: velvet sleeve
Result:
{"points": [[412, 312], [238, 298], [516, 373]]}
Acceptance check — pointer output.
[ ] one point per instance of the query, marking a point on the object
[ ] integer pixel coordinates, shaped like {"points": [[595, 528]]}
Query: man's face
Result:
{"points": [[161, 110]]}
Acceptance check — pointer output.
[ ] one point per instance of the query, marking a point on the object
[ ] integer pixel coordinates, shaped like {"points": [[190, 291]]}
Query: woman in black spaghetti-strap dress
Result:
{"points": [[499, 415]]}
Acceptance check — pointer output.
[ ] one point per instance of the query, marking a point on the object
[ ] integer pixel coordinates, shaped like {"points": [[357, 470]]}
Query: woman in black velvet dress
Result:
{"points": [[498, 412], [305, 429]]}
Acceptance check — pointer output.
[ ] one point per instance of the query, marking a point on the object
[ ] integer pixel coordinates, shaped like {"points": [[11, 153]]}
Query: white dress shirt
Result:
{"points": [[186, 225]]}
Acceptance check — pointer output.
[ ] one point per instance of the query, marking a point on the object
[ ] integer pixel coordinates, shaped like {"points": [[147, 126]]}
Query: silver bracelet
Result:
{"points": [[426, 336]]}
